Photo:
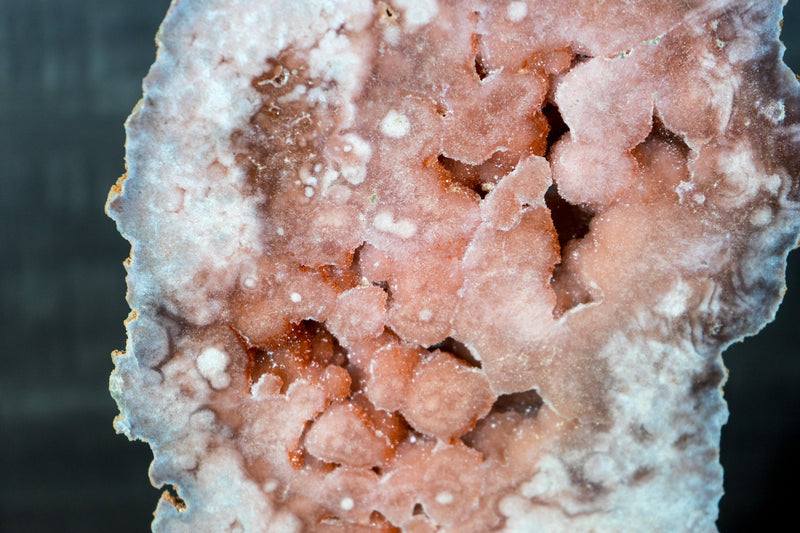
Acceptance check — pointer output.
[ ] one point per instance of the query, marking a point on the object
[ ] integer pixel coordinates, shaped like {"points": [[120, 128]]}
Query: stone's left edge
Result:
{"points": [[169, 261]]}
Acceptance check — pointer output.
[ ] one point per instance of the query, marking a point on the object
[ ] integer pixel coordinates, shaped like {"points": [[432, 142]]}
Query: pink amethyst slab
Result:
{"points": [[457, 266]]}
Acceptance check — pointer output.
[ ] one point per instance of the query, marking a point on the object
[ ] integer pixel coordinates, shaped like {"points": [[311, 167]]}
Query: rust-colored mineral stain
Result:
{"points": [[295, 458], [340, 279], [302, 352], [174, 500], [480, 178]]}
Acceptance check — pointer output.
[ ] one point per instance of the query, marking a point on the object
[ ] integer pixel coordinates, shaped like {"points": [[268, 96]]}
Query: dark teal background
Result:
{"points": [[70, 71]]}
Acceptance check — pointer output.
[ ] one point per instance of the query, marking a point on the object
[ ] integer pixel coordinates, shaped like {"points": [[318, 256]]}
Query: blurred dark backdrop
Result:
{"points": [[70, 71]]}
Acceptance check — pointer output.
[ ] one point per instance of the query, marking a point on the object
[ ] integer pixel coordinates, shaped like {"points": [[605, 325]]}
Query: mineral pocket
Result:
{"points": [[423, 265]]}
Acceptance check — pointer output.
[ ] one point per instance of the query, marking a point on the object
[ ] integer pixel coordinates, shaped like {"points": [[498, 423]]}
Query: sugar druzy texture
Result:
{"points": [[464, 266]]}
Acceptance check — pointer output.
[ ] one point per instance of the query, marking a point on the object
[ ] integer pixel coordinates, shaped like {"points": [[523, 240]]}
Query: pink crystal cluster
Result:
{"points": [[426, 265]]}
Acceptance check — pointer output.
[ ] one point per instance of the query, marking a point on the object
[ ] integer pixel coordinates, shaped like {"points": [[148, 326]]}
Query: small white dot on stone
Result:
{"points": [[309, 192], [347, 504], [395, 124], [425, 315], [249, 282], [774, 111], [516, 11], [318, 168], [270, 486], [296, 298], [211, 364], [444, 498], [347, 148]]}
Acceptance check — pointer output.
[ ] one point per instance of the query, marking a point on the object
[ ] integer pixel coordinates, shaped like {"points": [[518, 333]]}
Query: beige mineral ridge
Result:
{"points": [[423, 265]]}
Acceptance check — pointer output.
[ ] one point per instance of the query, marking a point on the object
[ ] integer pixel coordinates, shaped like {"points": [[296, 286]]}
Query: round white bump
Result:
{"points": [[211, 364], [516, 11], [395, 125], [444, 498]]}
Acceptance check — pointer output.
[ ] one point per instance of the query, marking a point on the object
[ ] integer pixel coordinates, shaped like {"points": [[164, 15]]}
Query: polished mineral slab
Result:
{"points": [[458, 266]]}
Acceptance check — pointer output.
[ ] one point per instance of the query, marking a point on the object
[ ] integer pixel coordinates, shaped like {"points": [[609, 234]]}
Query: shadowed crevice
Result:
{"points": [[557, 125], [527, 403], [457, 350], [571, 222]]}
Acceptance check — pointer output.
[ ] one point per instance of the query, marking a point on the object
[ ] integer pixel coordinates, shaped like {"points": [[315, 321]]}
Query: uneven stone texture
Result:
{"points": [[429, 265]]}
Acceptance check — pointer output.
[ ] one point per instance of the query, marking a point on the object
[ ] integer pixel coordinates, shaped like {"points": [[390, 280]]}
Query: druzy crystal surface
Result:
{"points": [[462, 266]]}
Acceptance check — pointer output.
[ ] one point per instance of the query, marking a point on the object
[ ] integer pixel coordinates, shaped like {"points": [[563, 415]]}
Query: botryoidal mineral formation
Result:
{"points": [[456, 266]]}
